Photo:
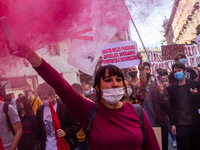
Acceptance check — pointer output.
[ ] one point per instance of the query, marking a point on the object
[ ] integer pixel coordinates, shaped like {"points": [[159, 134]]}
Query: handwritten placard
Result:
{"points": [[169, 51], [122, 54]]}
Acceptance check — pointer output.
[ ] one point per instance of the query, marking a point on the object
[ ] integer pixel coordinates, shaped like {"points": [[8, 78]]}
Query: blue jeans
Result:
{"points": [[170, 131]]}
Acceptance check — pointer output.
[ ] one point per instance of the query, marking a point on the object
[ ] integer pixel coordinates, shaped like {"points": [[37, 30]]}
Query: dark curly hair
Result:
{"points": [[27, 106]]}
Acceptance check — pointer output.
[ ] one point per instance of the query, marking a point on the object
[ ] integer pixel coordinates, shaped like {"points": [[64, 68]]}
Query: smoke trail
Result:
{"points": [[42, 22]]}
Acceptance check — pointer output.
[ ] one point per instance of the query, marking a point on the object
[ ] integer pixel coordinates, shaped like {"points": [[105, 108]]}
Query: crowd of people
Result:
{"points": [[105, 116]]}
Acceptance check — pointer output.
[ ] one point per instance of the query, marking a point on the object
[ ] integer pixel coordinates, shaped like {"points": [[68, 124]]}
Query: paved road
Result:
{"points": [[170, 147]]}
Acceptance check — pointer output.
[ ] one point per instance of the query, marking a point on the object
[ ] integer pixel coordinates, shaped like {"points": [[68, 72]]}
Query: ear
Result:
{"points": [[185, 71]]}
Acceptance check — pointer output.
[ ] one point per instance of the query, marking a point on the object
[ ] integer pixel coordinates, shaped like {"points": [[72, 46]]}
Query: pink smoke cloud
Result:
{"points": [[42, 22]]}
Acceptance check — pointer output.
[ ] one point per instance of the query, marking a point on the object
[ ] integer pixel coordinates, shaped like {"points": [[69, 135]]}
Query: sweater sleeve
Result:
{"points": [[152, 143], [75, 103]]}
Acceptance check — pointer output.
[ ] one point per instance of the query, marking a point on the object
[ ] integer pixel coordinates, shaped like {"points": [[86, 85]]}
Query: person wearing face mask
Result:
{"points": [[35, 102], [29, 137], [135, 80], [116, 125], [45, 128], [128, 92], [159, 73], [155, 103], [13, 98], [88, 92], [132, 72], [190, 73], [184, 110]]}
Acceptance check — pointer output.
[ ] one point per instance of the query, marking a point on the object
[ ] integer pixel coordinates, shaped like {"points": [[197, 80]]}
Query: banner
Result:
{"points": [[122, 54], [192, 53], [169, 51]]}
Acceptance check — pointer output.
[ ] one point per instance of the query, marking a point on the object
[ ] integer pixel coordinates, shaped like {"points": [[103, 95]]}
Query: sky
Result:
{"points": [[150, 27]]}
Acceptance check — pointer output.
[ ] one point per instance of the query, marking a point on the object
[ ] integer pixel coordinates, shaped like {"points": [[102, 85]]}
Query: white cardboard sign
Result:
{"points": [[122, 54], [197, 40]]}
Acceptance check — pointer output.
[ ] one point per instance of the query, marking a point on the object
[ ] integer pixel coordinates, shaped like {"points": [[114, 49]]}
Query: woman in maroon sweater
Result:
{"points": [[116, 125]]}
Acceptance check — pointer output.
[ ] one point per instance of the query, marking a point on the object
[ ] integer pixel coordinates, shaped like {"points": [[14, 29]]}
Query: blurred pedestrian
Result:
{"points": [[89, 93], [9, 118], [129, 92], [45, 128], [35, 102], [28, 122], [159, 73]]}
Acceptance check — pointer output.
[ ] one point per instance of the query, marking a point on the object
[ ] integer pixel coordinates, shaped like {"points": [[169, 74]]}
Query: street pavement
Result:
{"points": [[170, 146]]}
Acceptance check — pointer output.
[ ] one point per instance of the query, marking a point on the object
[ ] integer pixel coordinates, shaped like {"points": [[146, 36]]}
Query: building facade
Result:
{"points": [[22, 77], [183, 26]]}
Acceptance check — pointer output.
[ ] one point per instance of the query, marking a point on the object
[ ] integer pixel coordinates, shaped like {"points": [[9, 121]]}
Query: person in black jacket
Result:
{"points": [[190, 73], [184, 109], [45, 129], [29, 136]]}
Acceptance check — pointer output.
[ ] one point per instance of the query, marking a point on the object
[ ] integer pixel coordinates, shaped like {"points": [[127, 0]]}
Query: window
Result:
{"points": [[54, 50]]}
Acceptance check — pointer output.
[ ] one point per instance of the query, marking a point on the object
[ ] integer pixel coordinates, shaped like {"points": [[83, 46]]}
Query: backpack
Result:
{"points": [[5, 110], [93, 113]]}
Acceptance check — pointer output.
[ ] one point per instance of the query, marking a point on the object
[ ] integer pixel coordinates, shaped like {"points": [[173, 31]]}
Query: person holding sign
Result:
{"points": [[135, 81], [116, 125]]}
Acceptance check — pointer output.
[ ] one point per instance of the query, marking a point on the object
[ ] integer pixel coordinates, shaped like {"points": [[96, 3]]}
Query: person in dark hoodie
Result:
{"points": [[29, 137], [45, 129]]}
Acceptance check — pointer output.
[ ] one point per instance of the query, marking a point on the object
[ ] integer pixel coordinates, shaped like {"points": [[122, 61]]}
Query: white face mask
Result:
{"points": [[129, 92], [112, 96], [45, 102]]}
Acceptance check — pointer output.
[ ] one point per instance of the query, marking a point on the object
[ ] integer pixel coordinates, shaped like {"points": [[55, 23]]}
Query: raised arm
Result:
{"points": [[76, 104], [143, 77]]}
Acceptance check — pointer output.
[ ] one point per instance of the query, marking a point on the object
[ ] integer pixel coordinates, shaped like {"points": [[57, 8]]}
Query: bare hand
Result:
{"points": [[174, 130], [61, 133], [160, 87], [100, 61], [26, 52], [139, 56], [23, 51], [193, 92]]}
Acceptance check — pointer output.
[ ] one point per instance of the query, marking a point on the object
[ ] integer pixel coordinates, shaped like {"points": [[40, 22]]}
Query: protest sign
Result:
{"points": [[197, 40], [169, 51], [122, 54], [192, 53]]}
